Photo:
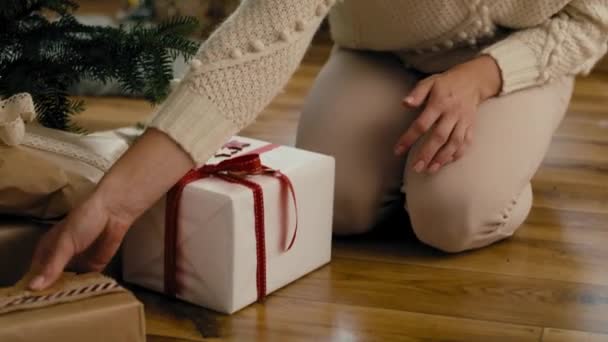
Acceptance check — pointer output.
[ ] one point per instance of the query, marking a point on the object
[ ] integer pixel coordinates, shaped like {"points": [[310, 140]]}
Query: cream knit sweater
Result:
{"points": [[248, 60]]}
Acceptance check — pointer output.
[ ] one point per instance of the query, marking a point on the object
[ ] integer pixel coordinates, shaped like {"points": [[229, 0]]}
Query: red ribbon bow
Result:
{"points": [[234, 171]]}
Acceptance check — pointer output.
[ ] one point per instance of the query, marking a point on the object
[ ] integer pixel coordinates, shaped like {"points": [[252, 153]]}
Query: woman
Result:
{"points": [[470, 90]]}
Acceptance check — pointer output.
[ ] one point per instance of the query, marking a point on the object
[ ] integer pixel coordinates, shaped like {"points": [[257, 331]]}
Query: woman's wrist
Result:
{"points": [[489, 76], [143, 175], [113, 195]]}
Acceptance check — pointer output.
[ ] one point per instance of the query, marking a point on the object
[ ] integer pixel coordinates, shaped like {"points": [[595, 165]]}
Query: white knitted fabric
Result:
{"points": [[570, 42], [248, 60]]}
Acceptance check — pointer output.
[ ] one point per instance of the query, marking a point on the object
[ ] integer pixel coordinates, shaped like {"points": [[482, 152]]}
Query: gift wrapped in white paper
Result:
{"points": [[216, 254]]}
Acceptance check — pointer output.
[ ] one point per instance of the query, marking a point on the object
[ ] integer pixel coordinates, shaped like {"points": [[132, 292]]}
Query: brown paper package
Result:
{"points": [[34, 187], [115, 317], [78, 307]]}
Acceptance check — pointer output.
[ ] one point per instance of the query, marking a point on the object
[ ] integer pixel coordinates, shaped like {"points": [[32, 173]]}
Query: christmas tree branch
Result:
{"points": [[45, 58]]}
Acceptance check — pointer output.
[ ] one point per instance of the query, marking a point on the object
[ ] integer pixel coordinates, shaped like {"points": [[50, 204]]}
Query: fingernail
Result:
{"points": [[434, 168], [419, 166], [37, 283], [409, 100]]}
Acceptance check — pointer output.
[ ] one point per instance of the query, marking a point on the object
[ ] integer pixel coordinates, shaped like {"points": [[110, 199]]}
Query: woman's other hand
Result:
{"points": [[450, 101]]}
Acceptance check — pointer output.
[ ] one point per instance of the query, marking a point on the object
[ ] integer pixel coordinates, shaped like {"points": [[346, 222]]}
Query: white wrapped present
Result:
{"points": [[225, 236]]}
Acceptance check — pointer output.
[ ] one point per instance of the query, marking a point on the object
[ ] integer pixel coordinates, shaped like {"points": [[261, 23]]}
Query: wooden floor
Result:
{"points": [[548, 283]]}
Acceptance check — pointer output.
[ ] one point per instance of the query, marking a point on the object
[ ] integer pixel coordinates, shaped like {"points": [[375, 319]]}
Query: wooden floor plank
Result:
{"points": [[288, 319], [590, 131], [162, 324], [573, 188], [456, 293], [592, 87], [558, 175], [170, 318], [156, 338], [560, 218], [529, 254], [557, 335], [574, 153]]}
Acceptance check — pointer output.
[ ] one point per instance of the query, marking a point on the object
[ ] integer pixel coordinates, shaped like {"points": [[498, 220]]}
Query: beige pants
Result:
{"points": [[354, 113]]}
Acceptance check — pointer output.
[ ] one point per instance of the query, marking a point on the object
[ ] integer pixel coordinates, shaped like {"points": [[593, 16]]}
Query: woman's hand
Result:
{"points": [[91, 234], [452, 99]]}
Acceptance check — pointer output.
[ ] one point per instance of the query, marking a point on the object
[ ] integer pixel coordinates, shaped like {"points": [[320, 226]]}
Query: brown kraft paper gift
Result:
{"points": [[93, 310], [31, 186]]}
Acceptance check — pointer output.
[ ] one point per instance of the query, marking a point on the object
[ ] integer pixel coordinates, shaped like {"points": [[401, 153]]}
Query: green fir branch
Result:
{"points": [[46, 58]]}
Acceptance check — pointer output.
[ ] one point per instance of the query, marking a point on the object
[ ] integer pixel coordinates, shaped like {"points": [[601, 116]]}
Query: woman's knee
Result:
{"points": [[453, 219]]}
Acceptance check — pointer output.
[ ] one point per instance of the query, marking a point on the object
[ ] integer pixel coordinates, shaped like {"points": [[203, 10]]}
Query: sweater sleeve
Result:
{"points": [[238, 71], [570, 43]]}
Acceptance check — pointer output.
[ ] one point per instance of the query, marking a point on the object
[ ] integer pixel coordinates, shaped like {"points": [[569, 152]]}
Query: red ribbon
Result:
{"points": [[234, 171]]}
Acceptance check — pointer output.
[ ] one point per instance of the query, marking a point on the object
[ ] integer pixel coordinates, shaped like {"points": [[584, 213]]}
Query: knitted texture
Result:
{"points": [[570, 42], [239, 70], [248, 60]]}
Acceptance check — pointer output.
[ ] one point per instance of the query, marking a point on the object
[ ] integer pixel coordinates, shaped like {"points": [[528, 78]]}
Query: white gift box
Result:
{"points": [[216, 242]]}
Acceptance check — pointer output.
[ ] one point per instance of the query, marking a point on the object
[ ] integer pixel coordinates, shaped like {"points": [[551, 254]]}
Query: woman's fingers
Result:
{"points": [[435, 141], [447, 153], [101, 252], [67, 239], [52, 254], [468, 140], [425, 120], [417, 129], [420, 93]]}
